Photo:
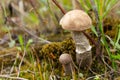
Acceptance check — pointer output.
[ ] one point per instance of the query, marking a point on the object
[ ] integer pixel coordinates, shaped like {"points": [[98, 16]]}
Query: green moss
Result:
{"points": [[55, 49], [110, 25], [50, 50]]}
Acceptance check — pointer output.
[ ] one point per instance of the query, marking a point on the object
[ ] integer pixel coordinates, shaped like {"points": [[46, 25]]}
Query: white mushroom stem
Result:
{"points": [[81, 42], [83, 48]]}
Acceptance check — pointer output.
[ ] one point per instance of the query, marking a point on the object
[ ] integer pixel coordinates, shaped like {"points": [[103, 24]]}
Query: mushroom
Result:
{"points": [[66, 61], [77, 21]]}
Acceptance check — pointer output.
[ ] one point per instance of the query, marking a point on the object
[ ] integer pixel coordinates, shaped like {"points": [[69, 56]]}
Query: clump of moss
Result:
{"points": [[55, 49], [110, 25], [50, 50]]}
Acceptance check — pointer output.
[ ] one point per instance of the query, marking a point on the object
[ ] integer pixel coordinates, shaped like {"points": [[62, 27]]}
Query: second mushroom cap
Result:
{"points": [[65, 58]]}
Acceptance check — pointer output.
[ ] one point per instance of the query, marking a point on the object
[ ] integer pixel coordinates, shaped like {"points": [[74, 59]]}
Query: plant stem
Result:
{"points": [[89, 37], [56, 3], [98, 45]]}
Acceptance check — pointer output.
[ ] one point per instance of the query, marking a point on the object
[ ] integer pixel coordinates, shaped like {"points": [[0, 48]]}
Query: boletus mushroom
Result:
{"points": [[77, 21], [66, 61]]}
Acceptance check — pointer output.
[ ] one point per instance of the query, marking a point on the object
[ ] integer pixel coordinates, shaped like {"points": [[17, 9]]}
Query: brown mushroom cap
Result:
{"points": [[76, 20], [65, 58]]}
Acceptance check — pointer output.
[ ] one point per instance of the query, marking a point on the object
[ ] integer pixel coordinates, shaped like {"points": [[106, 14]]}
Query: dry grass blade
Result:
{"points": [[9, 77]]}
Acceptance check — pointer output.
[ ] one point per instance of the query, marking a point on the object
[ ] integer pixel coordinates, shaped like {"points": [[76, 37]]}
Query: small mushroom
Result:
{"points": [[78, 21], [66, 61]]}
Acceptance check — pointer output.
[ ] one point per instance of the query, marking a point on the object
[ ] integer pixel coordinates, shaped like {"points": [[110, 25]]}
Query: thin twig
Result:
{"points": [[21, 63], [56, 3], [7, 54], [12, 68], [107, 64], [26, 61], [89, 37], [9, 77]]}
